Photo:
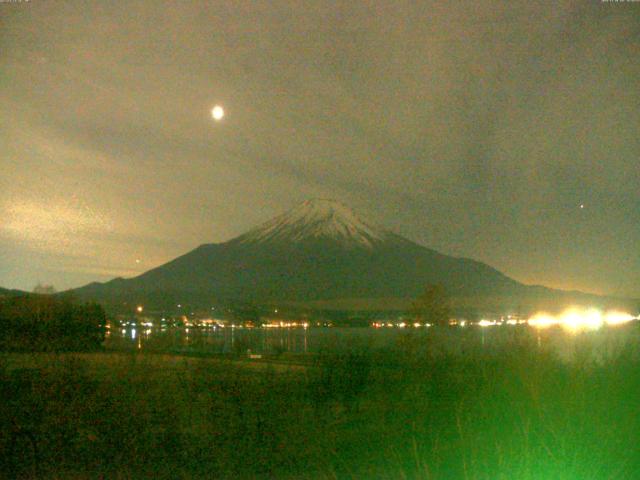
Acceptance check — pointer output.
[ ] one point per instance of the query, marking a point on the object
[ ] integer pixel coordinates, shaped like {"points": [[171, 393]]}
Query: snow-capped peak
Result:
{"points": [[315, 219]]}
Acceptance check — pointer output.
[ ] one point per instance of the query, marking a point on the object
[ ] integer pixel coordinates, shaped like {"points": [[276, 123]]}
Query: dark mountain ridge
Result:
{"points": [[5, 292], [321, 252]]}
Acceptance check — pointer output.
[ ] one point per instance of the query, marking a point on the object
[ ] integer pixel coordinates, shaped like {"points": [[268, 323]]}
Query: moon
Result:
{"points": [[217, 113]]}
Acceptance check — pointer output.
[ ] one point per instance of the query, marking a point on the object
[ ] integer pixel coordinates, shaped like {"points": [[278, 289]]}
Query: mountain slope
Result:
{"points": [[321, 252], [4, 292]]}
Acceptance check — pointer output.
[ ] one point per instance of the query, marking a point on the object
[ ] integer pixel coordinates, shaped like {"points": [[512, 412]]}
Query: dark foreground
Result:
{"points": [[401, 412]]}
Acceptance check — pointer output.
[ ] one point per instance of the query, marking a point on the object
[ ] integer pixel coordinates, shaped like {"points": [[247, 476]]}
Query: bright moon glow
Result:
{"points": [[217, 113]]}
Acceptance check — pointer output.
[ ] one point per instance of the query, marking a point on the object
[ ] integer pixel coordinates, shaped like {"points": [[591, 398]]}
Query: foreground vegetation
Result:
{"points": [[401, 412], [31, 323]]}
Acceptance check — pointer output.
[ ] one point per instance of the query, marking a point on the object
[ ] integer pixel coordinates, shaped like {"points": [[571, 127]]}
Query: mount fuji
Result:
{"points": [[321, 254]]}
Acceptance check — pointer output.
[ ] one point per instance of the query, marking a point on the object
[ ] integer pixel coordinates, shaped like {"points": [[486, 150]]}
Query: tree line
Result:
{"points": [[48, 323]]}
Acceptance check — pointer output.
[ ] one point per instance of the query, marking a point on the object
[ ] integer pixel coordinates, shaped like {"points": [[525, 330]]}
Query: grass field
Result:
{"points": [[399, 412]]}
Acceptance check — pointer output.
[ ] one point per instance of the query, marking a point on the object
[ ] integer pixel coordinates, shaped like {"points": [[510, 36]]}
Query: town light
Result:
{"points": [[578, 320], [617, 318]]}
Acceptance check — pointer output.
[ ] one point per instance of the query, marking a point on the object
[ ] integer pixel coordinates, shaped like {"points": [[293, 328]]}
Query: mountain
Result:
{"points": [[4, 292], [315, 220], [320, 254]]}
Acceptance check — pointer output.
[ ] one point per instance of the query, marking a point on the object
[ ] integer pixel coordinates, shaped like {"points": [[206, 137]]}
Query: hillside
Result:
{"points": [[4, 292]]}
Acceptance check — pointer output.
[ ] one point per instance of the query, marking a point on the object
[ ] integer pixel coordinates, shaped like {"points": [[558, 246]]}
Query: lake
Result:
{"points": [[598, 345]]}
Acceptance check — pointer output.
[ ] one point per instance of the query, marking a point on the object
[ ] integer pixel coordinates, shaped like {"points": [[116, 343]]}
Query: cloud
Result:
{"points": [[474, 129]]}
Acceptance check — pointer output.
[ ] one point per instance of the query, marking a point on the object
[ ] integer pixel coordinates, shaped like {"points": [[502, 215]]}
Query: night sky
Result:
{"points": [[508, 132]]}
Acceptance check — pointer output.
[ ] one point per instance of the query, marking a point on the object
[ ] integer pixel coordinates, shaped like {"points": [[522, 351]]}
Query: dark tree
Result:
{"points": [[432, 306], [246, 312], [46, 323]]}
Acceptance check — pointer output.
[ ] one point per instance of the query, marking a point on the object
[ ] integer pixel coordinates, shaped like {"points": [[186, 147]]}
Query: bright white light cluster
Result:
{"points": [[576, 320], [487, 323]]}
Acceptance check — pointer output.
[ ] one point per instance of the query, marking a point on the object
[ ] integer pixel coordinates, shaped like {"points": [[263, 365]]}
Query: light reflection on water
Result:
{"points": [[599, 345]]}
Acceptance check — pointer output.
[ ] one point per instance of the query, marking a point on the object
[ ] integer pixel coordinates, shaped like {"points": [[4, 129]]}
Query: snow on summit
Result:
{"points": [[317, 218]]}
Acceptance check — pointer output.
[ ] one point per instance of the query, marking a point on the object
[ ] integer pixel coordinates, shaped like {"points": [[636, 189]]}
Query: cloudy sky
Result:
{"points": [[476, 128]]}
